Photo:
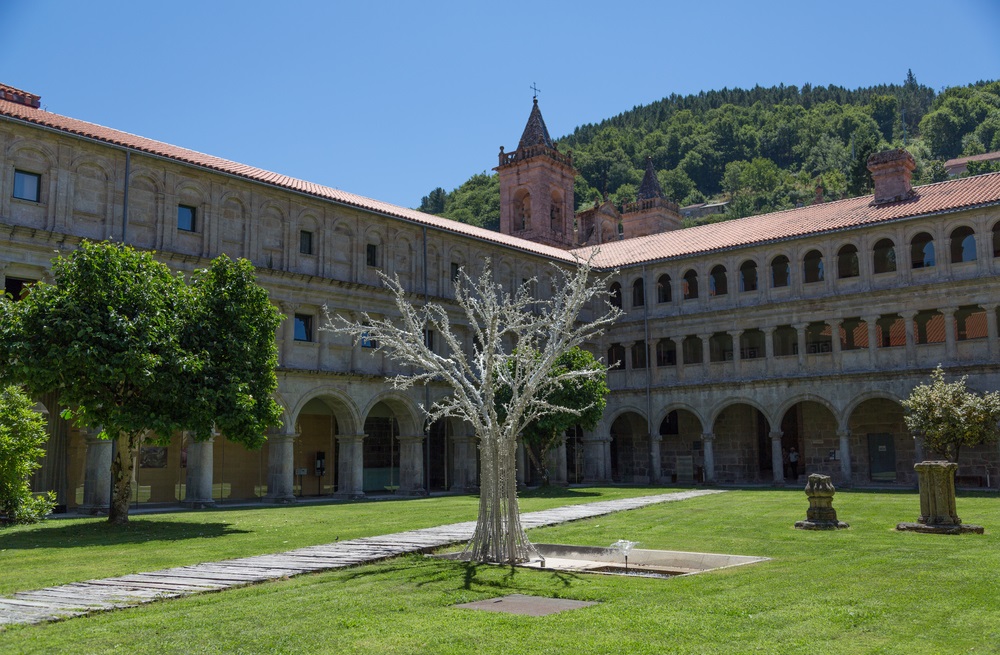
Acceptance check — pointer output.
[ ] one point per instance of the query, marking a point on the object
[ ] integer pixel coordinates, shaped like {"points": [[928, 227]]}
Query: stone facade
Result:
{"points": [[728, 356]]}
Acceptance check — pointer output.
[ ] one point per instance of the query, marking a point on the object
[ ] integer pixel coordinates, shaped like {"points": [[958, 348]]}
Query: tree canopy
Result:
{"points": [[135, 351], [22, 433], [947, 416]]}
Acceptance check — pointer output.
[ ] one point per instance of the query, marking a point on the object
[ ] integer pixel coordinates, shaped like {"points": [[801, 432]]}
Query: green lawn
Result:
{"points": [[863, 590]]}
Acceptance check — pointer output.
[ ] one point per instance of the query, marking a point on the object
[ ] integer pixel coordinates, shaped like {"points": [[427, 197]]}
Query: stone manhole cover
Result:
{"points": [[527, 605]]}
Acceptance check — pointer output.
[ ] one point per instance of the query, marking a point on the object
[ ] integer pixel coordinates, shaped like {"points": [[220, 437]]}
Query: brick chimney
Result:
{"points": [[891, 173]]}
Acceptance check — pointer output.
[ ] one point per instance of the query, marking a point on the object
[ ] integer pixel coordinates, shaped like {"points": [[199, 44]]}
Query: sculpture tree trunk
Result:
{"points": [[499, 537]]}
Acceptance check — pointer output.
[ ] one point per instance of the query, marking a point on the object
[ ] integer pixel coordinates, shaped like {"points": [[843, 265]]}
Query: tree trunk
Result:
{"points": [[121, 480], [536, 462], [499, 537]]}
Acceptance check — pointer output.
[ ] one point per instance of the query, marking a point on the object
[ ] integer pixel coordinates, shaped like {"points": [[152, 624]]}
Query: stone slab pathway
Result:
{"points": [[81, 598]]}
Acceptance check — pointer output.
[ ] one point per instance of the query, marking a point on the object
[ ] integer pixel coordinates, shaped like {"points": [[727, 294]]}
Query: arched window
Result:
{"points": [[639, 354], [638, 293], [963, 245], [847, 262], [922, 251], [663, 288], [522, 210], [555, 214], [616, 356], [717, 283], [780, 272], [690, 285], [812, 267], [884, 256], [615, 295], [666, 352], [996, 240], [748, 275]]}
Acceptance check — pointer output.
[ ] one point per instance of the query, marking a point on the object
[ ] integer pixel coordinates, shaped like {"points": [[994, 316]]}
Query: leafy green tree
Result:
{"points": [[947, 416], [433, 202], [582, 401], [22, 433], [135, 351]]}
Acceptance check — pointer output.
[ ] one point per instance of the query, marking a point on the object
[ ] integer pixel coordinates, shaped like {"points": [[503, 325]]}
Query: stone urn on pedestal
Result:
{"points": [[821, 515], [937, 501]]}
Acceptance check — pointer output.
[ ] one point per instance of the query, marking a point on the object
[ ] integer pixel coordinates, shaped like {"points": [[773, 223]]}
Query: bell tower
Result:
{"points": [[536, 188]]}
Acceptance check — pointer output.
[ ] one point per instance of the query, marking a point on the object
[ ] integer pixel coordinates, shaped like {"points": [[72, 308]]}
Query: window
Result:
{"points": [[27, 186], [922, 251], [847, 262], [720, 347], [752, 344], [819, 338], [690, 285], [663, 289], [616, 356], [429, 339], [812, 267], [367, 341], [303, 327], [16, 287], [666, 353], [186, 218], [929, 325], [996, 240], [692, 350], [963, 245], [854, 334], [748, 276], [638, 293], [786, 341], [884, 256], [615, 295], [456, 268], [718, 285], [306, 242], [639, 354], [371, 254], [890, 331], [970, 323], [780, 272]]}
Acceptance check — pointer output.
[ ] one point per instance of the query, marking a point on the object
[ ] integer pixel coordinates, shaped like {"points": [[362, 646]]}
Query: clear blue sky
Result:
{"points": [[391, 99]]}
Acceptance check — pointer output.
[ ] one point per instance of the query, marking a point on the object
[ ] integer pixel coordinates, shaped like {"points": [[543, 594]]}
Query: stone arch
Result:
{"points": [[677, 406], [882, 449], [144, 208], [813, 266], [922, 249], [749, 275], [884, 256], [779, 271], [233, 224], [963, 243], [848, 260], [341, 265], [271, 222], [32, 151], [406, 412], [92, 193], [734, 400], [343, 407], [630, 448], [188, 188], [522, 209], [845, 416], [742, 441], [802, 398]]}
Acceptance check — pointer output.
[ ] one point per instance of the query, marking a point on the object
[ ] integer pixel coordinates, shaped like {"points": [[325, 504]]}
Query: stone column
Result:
{"points": [[464, 473], [768, 347], [97, 474], [870, 322], [800, 334], [835, 345], [708, 439], [777, 461], [594, 464], [520, 465], [281, 468], [845, 455], [911, 340], [991, 330], [937, 493], [950, 336], [199, 474], [655, 465], [288, 332], [350, 466], [411, 465], [556, 462], [706, 353], [736, 335]]}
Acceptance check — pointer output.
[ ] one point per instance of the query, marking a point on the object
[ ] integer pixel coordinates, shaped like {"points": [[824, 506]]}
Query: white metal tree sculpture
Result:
{"points": [[516, 340]]}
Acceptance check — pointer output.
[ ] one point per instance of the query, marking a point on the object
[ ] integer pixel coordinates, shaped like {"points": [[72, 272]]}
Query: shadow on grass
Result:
{"points": [[555, 491], [104, 534]]}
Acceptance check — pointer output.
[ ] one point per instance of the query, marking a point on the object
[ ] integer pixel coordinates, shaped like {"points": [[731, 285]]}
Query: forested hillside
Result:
{"points": [[760, 149]]}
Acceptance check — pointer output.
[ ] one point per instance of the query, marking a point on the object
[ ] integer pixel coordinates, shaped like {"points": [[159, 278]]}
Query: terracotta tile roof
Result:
{"points": [[804, 221], [117, 137], [961, 161]]}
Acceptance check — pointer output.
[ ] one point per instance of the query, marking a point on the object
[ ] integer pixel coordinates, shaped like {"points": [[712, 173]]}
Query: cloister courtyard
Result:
{"points": [[866, 589]]}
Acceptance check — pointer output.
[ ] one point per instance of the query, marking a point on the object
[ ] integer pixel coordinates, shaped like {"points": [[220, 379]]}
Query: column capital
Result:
{"points": [[948, 311], [775, 434], [736, 334], [708, 436], [705, 336], [799, 327], [843, 433], [908, 314], [288, 307], [870, 318], [834, 322], [769, 329]]}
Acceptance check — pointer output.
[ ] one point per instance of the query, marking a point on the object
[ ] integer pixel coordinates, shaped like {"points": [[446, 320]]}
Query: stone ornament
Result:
{"points": [[937, 501], [820, 515]]}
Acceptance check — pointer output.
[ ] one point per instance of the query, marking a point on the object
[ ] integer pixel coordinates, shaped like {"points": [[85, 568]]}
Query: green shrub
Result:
{"points": [[22, 433]]}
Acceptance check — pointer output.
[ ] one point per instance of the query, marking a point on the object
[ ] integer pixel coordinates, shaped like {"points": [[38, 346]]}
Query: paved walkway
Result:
{"points": [[81, 598]]}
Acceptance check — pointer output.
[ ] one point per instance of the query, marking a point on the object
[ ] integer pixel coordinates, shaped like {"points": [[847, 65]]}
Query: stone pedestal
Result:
{"points": [[820, 515], [937, 501]]}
